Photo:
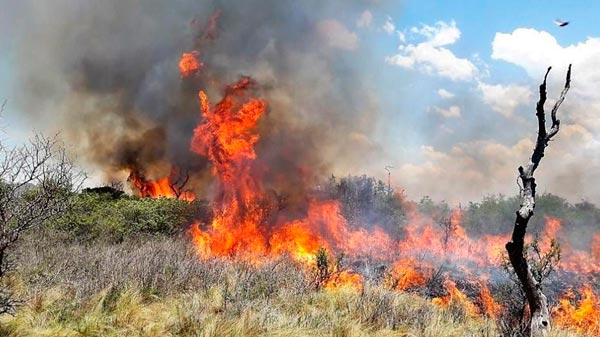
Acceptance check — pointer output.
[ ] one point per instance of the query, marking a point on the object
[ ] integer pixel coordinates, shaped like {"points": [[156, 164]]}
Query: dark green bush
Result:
{"points": [[102, 216]]}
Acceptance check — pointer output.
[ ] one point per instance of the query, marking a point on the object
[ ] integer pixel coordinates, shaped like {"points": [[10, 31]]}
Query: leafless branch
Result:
{"points": [[178, 181], [36, 180]]}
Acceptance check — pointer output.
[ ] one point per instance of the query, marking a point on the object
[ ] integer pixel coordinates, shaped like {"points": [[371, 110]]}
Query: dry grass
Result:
{"points": [[158, 287], [205, 313], [155, 265]]}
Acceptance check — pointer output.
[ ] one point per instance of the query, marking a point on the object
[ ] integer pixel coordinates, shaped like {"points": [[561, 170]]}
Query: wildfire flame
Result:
{"points": [[345, 279], [227, 137], [455, 296], [407, 274], [490, 307], [581, 315], [160, 188], [246, 223], [189, 64]]}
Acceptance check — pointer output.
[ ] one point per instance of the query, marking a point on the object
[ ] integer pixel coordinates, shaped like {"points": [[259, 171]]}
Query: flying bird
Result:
{"points": [[561, 23]]}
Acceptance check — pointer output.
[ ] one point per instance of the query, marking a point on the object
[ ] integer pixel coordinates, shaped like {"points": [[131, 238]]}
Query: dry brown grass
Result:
{"points": [[158, 287]]}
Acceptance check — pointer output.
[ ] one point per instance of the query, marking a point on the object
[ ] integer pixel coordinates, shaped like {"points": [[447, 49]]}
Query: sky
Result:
{"points": [[454, 86]]}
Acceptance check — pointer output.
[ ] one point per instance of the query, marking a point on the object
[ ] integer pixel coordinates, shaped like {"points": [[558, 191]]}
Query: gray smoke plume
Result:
{"points": [[105, 73]]}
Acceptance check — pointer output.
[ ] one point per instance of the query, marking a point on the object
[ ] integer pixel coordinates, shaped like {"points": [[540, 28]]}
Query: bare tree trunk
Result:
{"points": [[539, 324]]}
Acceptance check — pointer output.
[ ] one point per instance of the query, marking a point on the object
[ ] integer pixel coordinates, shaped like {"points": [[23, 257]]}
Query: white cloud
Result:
{"points": [[365, 19], [476, 167], [535, 50], [504, 99], [431, 56], [401, 37], [439, 35], [529, 48], [445, 93], [473, 169], [336, 35], [451, 112], [389, 26]]}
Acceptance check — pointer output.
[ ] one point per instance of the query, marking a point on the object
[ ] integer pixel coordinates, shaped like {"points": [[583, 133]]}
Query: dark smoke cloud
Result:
{"points": [[105, 74]]}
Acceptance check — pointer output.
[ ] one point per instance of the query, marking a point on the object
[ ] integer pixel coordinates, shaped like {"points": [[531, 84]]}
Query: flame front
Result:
{"points": [[345, 279], [227, 136]]}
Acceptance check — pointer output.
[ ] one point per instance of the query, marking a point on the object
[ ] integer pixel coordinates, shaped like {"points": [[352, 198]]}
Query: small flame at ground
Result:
{"points": [[455, 296], [160, 188], [345, 279], [581, 315]]}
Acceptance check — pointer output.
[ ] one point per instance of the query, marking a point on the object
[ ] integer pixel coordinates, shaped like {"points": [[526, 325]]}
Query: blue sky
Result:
{"points": [[453, 86], [478, 22], [479, 125]]}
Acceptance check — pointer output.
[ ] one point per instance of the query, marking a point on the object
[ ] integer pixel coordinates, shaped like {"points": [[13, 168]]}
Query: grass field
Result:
{"points": [[157, 286]]}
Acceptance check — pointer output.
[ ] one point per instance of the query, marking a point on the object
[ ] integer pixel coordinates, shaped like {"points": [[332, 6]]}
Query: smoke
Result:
{"points": [[105, 74]]}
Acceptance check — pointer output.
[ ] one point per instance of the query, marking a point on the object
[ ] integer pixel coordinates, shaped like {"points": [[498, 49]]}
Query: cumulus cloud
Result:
{"points": [[443, 93], [486, 162], [472, 169], [535, 50], [365, 19], [504, 99], [389, 26], [441, 34], [532, 49], [432, 56], [401, 37], [451, 112], [336, 35]]}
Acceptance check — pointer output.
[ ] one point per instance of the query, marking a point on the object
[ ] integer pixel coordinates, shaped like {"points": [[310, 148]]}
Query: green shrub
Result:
{"points": [[102, 216]]}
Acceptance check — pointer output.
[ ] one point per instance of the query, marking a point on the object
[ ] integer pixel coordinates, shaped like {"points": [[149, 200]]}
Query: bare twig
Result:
{"points": [[36, 180]]}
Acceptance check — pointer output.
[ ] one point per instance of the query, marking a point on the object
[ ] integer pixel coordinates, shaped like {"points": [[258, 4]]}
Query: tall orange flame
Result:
{"points": [[227, 137]]}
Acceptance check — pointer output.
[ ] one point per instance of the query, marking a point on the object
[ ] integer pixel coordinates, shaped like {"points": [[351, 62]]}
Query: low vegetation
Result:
{"points": [[159, 288], [124, 266]]}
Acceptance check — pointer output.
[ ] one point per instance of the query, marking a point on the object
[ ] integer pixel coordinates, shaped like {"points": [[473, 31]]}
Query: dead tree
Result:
{"points": [[539, 324], [178, 181], [36, 180]]}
